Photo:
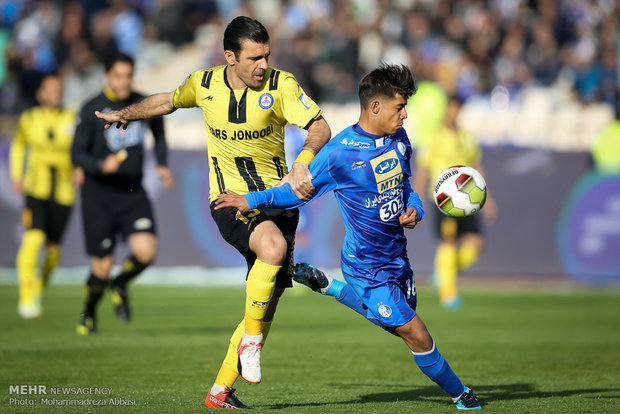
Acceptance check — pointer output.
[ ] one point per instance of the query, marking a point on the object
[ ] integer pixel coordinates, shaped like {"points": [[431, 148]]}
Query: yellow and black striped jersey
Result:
{"points": [[446, 148], [245, 128], [41, 154]]}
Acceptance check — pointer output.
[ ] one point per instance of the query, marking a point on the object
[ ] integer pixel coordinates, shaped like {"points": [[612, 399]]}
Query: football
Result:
{"points": [[460, 191]]}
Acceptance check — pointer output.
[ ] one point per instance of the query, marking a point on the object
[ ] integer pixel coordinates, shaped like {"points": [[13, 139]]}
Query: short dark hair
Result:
{"points": [[42, 79], [114, 58], [386, 80], [243, 28]]}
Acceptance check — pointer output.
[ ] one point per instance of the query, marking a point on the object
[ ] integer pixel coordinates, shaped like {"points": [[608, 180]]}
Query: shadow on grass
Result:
{"points": [[486, 394]]}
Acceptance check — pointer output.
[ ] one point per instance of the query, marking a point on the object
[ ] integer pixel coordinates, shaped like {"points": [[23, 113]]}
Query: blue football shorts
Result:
{"points": [[388, 294]]}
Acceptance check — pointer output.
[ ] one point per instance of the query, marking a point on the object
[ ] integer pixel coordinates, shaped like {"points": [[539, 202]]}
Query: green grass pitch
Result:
{"points": [[522, 351]]}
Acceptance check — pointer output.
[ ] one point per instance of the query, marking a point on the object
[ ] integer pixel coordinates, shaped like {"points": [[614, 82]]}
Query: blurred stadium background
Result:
{"points": [[539, 78]]}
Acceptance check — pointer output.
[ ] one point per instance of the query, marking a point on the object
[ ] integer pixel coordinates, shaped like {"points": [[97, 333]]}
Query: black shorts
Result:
{"points": [[46, 215], [108, 212], [237, 230], [449, 228]]}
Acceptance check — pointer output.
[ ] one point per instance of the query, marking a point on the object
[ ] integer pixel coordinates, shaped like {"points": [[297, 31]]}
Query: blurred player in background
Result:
{"points": [[460, 240], [246, 105], [113, 199], [42, 171], [605, 149], [368, 167]]}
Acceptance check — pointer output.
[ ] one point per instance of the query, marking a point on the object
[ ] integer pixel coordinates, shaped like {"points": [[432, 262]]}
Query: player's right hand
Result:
{"points": [[110, 164], [112, 118], [300, 180], [232, 199]]}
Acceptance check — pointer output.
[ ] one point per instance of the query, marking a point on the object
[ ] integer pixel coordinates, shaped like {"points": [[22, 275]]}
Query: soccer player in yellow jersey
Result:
{"points": [[42, 171], [246, 104], [460, 240]]}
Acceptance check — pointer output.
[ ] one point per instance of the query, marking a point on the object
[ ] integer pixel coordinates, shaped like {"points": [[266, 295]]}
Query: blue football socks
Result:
{"points": [[346, 295], [433, 364]]}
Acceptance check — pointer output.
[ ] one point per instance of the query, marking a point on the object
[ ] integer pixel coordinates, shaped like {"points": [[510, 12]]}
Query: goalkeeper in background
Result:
{"points": [[367, 167], [460, 240], [41, 170]]}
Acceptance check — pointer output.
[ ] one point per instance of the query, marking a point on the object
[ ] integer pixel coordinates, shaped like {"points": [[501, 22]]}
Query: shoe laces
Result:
{"points": [[250, 348], [468, 399], [230, 393]]}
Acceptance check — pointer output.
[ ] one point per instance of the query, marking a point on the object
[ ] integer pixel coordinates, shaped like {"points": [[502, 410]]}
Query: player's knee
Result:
{"points": [[415, 334], [145, 252], [145, 256], [272, 250], [101, 266]]}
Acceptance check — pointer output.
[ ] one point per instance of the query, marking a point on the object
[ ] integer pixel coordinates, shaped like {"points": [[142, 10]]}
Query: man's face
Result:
{"points": [[391, 114], [252, 63], [50, 92], [120, 79]]}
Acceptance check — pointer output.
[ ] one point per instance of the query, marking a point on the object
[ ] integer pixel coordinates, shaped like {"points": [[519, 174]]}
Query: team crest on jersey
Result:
{"points": [[401, 148], [265, 101], [388, 172], [384, 310]]}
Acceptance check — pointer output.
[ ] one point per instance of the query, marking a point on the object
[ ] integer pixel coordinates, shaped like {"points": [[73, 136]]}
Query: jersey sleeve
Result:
{"points": [[18, 151], [185, 95], [412, 199], [284, 197], [297, 107], [84, 134]]}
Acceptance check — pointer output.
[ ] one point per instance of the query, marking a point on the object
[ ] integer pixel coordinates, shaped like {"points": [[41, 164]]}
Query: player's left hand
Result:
{"points": [[78, 177], [166, 176], [300, 181], [409, 219], [231, 199]]}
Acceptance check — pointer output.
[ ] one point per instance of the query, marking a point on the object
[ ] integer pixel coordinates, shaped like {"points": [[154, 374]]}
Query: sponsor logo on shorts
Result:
{"points": [[106, 243], [142, 224], [385, 310]]}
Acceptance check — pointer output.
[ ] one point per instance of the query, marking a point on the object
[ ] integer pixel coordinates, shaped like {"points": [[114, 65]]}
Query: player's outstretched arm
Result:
{"points": [[300, 178], [148, 108]]}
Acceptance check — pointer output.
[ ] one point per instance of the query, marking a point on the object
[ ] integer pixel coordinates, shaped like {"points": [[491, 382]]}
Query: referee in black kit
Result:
{"points": [[113, 199]]}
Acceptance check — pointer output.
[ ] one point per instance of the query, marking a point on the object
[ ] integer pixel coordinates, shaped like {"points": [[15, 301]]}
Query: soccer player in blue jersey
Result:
{"points": [[367, 167]]}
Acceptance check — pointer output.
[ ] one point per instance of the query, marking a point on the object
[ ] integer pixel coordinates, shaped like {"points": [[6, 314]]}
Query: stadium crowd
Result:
{"points": [[468, 47]]}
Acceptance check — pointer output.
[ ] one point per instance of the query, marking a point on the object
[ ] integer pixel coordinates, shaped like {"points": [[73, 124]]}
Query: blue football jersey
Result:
{"points": [[369, 175]]}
